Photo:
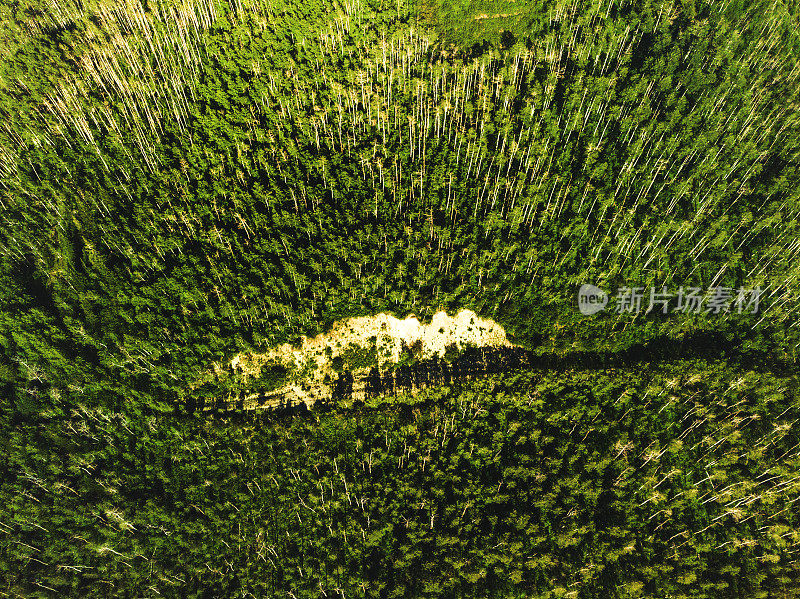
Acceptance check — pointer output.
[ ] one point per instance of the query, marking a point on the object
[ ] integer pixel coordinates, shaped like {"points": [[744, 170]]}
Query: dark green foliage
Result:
{"points": [[673, 481], [177, 186]]}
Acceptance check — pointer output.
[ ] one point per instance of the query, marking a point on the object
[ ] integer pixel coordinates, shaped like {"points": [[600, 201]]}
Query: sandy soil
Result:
{"points": [[313, 365]]}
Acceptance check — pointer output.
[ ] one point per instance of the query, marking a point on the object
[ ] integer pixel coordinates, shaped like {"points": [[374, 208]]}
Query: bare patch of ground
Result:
{"points": [[308, 372]]}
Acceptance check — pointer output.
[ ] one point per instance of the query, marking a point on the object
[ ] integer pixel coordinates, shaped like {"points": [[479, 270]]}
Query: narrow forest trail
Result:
{"points": [[483, 16]]}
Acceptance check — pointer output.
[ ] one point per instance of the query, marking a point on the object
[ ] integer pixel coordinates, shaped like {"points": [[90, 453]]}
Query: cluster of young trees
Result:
{"points": [[226, 393]]}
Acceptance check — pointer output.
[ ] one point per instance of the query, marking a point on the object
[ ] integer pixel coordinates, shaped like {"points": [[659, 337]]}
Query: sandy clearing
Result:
{"points": [[314, 364], [388, 334]]}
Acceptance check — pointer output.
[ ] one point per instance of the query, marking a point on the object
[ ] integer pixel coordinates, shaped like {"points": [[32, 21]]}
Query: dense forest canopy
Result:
{"points": [[182, 182]]}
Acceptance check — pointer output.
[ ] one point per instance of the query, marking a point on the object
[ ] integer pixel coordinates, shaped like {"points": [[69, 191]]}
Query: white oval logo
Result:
{"points": [[591, 299]]}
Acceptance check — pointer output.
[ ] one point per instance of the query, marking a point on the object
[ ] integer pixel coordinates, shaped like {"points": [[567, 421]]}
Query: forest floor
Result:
{"points": [[307, 371]]}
